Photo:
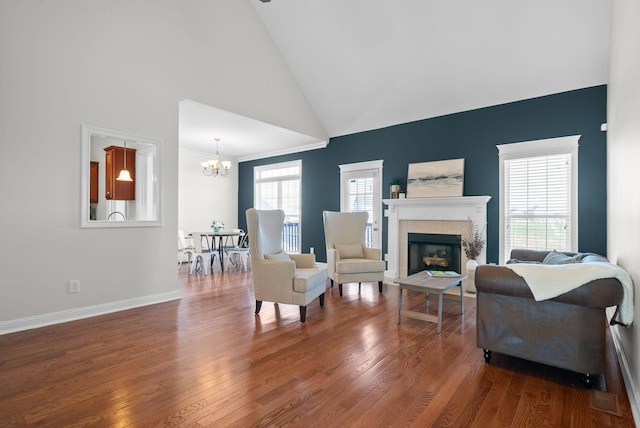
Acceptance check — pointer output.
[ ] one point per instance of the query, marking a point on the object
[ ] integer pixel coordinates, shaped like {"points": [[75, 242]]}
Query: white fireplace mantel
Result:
{"points": [[464, 208]]}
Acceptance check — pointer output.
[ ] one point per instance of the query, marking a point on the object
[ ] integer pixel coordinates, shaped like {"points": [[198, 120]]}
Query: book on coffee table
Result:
{"points": [[446, 273]]}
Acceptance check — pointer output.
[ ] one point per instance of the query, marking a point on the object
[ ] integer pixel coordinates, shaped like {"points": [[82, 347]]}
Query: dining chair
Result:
{"points": [[185, 248], [239, 252], [203, 257]]}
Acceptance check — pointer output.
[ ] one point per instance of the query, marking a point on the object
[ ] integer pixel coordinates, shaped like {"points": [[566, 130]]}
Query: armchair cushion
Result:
{"points": [[280, 256], [350, 251], [359, 266]]}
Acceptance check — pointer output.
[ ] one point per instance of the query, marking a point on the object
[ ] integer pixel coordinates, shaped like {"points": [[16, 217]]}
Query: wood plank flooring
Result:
{"points": [[208, 361]]}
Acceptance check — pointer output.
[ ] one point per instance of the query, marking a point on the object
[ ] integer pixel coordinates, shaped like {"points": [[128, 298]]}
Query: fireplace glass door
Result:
{"points": [[431, 251]]}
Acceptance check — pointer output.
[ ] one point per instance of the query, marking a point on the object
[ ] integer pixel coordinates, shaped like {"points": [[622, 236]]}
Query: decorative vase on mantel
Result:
{"points": [[470, 282], [394, 191]]}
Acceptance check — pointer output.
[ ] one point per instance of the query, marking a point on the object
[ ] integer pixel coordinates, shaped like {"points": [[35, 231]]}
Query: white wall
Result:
{"points": [[125, 66], [204, 199], [623, 191]]}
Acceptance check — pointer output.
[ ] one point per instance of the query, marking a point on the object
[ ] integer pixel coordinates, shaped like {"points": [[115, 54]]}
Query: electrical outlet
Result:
{"points": [[73, 286]]}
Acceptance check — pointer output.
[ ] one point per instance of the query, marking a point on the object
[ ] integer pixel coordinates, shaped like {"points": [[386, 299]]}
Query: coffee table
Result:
{"points": [[425, 283]]}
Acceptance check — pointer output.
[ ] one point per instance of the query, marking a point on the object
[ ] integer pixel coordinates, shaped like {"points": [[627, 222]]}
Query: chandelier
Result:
{"points": [[215, 166]]}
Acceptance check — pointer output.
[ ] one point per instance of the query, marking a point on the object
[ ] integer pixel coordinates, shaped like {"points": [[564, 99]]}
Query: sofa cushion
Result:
{"points": [[350, 251], [359, 266], [556, 258]]}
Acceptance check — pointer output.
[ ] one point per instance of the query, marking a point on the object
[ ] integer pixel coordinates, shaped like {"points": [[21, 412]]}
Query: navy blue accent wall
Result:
{"points": [[472, 135]]}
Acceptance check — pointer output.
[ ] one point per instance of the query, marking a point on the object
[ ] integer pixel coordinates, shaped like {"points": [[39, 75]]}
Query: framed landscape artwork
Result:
{"points": [[438, 179]]}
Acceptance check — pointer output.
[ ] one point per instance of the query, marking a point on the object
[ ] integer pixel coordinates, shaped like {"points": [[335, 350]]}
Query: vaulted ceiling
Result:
{"points": [[367, 64]]}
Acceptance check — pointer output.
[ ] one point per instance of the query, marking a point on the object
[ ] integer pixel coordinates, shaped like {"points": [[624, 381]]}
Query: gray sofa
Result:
{"points": [[568, 331]]}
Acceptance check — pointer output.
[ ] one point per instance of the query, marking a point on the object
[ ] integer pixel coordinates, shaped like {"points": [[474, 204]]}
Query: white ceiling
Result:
{"points": [[241, 138], [367, 64]]}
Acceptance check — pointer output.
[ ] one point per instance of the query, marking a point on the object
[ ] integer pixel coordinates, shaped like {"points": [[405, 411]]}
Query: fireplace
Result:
{"points": [[433, 251], [452, 216]]}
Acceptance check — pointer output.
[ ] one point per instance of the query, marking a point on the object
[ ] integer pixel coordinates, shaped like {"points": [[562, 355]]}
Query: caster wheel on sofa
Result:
{"points": [[487, 355], [588, 381]]}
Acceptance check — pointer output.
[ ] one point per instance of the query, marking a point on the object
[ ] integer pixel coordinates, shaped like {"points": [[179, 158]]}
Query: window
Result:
{"points": [[277, 186], [539, 192]]}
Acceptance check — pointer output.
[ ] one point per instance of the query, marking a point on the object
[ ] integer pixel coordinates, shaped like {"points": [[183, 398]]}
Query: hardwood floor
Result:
{"points": [[207, 360]]}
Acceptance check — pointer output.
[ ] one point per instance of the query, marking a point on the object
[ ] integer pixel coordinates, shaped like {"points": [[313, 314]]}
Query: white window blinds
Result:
{"points": [[278, 186], [538, 201]]}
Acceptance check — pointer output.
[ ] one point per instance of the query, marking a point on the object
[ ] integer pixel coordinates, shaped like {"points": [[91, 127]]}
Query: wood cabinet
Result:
{"points": [[93, 182], [114, 163]]}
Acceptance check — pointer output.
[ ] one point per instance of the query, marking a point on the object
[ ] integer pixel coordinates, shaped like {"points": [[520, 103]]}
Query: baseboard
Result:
{"points": [[44, 320], [631, 387]]}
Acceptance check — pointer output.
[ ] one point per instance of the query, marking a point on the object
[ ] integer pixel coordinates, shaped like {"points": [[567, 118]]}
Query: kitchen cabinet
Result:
{"points": [[114, 163], [93, 182]]}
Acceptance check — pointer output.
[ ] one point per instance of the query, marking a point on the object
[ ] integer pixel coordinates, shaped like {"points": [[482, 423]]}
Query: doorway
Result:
{"points": [[361, 190]]}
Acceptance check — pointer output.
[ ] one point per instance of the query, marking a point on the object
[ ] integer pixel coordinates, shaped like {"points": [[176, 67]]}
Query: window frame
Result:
{"points": [[540, 148], [257, 170]]}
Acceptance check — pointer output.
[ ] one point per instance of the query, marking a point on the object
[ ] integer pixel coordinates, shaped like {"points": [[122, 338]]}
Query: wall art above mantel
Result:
{"points": [[437, 179]]}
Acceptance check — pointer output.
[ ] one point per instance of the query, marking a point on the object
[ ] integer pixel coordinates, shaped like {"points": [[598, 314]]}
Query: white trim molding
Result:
{"points": [[298, 149], [632, 389], [44, 320]]}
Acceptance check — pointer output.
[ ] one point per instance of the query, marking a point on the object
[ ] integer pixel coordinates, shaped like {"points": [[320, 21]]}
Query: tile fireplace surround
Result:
{"points": [[430, 215]]}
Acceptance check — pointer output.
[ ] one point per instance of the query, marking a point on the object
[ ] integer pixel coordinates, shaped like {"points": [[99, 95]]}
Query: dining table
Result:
{"points": [[220, 236]]}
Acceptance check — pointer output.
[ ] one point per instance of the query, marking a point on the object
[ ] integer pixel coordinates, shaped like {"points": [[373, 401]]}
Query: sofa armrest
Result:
{"points": [[600, 293]]}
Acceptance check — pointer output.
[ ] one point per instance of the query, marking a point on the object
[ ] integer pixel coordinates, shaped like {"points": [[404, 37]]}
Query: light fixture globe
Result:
{"points": [[124, 176], [124, 172]]}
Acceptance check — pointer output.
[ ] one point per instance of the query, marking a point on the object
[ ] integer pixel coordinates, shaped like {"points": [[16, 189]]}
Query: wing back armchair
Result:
{"points": [[348, 257], [277, 276]]}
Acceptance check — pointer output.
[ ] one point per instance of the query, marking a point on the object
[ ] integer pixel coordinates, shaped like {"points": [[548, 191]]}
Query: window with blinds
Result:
{"points": [[277, 186], [539, 195], [359, 194]]}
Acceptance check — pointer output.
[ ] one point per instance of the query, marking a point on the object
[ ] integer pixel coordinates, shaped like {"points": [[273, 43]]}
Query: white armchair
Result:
{"points": [[348, 258], [277, 276]]}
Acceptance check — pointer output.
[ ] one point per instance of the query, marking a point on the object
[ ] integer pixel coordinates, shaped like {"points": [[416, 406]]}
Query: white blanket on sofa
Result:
{"points": [[549, 281]]}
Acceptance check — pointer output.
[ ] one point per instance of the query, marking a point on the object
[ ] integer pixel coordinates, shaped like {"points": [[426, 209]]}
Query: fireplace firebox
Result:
{"points": [[433, 251]]}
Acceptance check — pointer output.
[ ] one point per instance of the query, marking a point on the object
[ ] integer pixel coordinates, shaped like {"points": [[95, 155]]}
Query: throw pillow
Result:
{"points": [[350, 251], [556, 258], [516, 261], [281, 255]]}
